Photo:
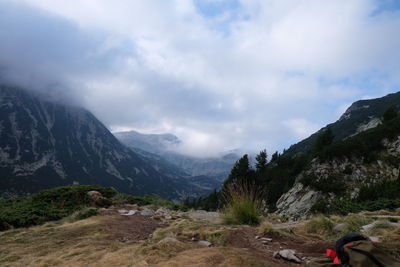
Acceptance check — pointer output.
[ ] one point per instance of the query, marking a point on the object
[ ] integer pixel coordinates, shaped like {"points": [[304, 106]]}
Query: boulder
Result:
{"points": [[94, 195], [287, 254], [130, 213], [147, 212], [204, 243], [297, 202]]}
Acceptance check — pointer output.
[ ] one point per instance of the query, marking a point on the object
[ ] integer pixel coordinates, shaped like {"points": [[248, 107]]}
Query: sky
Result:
{"points": [[219, 74]]}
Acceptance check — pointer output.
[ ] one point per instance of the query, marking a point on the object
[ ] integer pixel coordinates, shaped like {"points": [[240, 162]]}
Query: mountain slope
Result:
{"points": [[45, 144], [361, 115]]}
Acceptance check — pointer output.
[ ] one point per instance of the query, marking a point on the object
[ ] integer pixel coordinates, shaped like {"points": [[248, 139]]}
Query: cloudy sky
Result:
{"points": [[220, 74]]}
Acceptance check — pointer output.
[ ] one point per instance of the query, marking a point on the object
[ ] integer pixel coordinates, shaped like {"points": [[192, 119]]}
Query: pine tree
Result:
{"points": [[262, 161], [390, 113], [275, 157], [323, 140], [241, 171]]}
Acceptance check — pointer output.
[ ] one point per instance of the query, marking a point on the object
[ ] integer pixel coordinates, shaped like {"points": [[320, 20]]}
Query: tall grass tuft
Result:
{"points": [[243, 204]]}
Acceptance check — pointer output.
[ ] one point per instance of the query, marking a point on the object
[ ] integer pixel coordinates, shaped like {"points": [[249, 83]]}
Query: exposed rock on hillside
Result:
{"points": [[347, 174]]}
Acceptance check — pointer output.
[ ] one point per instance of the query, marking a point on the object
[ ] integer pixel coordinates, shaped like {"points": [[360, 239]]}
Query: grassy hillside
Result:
{"points": [[60, 202]]}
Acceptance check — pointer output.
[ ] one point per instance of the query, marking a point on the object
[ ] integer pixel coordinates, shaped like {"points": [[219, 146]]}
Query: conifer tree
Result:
{"points": [[262, 161], [390, 113], [241, 171]]}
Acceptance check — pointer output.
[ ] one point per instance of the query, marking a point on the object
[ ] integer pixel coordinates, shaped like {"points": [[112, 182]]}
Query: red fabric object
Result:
{"points": [[375, 243], [336, 261], [331, 253], [349, 245]]}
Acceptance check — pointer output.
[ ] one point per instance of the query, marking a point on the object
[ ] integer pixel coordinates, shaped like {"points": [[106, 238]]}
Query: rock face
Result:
{"points": [[296, 203], [45, 144], [353, 173]]}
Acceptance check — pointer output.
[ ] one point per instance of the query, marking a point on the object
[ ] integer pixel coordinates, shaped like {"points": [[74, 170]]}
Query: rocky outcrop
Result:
{"points": [[353, 173], [296, 204]]}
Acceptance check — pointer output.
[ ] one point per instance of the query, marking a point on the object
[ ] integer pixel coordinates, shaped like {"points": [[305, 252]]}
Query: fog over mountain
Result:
{"points": [[220, 75]]}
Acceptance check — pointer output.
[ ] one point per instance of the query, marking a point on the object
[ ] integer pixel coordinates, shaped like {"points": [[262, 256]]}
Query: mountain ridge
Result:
{"points": [[361, 115], [45, 144]]}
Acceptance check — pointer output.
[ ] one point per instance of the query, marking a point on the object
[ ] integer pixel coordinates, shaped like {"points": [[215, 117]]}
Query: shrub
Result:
{"points": [[385, 189], [332, 184], [344, 207], [355, 222], [321, 206], [48, 205], [103, 202], [243, 205], [86, 213], [319, 225]]}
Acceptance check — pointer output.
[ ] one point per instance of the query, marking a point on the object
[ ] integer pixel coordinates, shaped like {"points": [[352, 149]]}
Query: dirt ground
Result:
{"points": [[244, 238], [133, 228]]}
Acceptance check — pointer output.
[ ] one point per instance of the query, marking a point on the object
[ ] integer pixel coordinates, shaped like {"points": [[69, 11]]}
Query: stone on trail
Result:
{"points": [[147, 212], [287, 254], [122, 211], [130, 212], [204, 243]]}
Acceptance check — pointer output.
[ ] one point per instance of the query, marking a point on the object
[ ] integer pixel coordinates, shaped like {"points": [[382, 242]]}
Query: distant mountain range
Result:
{"points": [[45, 144], [163, 145]]}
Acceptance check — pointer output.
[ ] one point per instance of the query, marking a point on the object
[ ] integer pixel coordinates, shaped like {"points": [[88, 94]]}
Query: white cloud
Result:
{"points": [[261, 75]]}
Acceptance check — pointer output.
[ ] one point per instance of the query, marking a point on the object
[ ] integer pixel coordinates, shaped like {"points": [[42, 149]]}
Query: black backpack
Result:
{"points": [[354, 250]]}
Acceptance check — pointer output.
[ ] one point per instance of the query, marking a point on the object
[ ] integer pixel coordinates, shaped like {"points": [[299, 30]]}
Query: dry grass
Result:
{"points": [[266, 228], [187, 229], [81, 241]]}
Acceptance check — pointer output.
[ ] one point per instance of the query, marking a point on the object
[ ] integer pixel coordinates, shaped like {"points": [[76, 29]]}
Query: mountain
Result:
{"points": [[45, 144], [359, 171], [360, 116], [216, 168]]}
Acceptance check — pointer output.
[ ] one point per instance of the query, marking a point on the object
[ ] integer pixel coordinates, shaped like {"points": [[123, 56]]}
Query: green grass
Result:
{"points": [[243, 206], [319, 225]]}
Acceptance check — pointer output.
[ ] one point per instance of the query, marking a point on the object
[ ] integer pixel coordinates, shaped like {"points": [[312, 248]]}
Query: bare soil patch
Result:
{"points": [[307, 249], [132, 228]]}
